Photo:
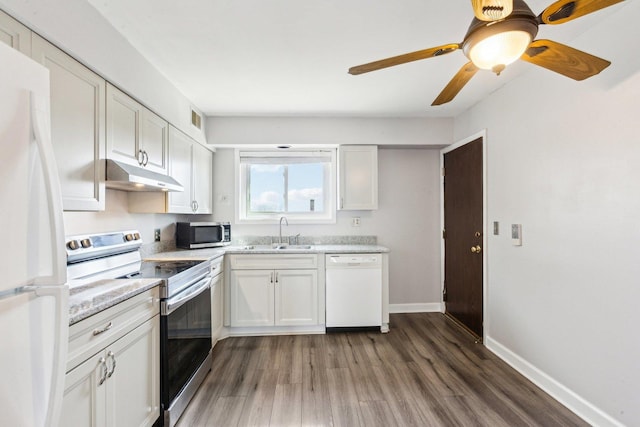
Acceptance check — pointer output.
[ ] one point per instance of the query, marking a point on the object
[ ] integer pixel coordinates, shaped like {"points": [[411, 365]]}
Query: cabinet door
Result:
{"points": [[84, 402], [252, 301], [217, 307], [154, 138], [180, 169], [358, 179], [202, 179], [14, 34], [133, 390], [296, 297], [123, 121], [77, 127]]}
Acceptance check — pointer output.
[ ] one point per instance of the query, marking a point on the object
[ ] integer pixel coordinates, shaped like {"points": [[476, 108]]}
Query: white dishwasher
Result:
{"points": [[353, 290]]}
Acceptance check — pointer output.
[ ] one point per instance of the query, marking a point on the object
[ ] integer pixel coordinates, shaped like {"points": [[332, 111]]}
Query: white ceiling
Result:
{"points": [[290, 57]]}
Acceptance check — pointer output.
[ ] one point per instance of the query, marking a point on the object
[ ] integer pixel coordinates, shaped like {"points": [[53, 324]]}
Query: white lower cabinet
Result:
{"points": [[217, 299], [118, 385], [273, 297]]}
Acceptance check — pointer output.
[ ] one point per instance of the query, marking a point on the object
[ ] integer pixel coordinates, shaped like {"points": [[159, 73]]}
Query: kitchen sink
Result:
{"points": [[277, 246]]}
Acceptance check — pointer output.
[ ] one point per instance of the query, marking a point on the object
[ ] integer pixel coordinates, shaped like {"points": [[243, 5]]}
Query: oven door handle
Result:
{"points": [[170, 305]]}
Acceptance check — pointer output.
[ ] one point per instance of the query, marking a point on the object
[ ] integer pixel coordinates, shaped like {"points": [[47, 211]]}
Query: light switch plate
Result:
{"points": [[516, 234], [355, 221]]}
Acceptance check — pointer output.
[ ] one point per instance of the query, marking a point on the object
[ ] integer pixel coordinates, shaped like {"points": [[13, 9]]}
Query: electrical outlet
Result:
{"points": [[355, 221], [156, 235]]}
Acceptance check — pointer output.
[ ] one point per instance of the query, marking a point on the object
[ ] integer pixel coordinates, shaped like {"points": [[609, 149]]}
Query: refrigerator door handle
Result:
{"points": [[40, 124], [61, 295]]}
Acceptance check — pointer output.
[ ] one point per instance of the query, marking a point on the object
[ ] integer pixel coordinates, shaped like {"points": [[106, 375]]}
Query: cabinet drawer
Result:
{"points": [[277, 261], [91, 335], [217, 266]]}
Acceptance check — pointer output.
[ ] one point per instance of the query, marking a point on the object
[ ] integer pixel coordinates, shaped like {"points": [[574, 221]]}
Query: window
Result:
{"points": [[297, 184]]}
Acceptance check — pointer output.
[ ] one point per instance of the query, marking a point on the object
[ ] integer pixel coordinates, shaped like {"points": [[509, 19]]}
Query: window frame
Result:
{"points": [[242, 188]]}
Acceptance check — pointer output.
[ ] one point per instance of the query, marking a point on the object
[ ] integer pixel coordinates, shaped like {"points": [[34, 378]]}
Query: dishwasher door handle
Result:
{"points": [[354, 260]]}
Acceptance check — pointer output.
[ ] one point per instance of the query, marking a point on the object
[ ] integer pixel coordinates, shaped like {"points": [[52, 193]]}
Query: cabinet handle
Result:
{"points": [[140, 157], [195, 202], [113, 366], [145, 158], [341, 202], [103, 330], [103, 371], [276, 277], [271, 277]]}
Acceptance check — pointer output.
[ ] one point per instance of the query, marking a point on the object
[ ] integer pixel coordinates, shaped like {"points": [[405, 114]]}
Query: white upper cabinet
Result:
{"points": [[77, 127], [180, 147], [154, 141], [14, 34], [135, 135], [202, 164], [358, 177], [191, 164]]}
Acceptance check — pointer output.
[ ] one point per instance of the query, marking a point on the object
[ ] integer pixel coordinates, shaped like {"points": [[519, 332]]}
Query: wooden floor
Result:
{"points": [[425, 372]]}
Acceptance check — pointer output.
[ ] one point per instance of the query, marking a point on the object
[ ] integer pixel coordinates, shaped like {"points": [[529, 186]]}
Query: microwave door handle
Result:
{"points": [[169, 306], [221, 233]]}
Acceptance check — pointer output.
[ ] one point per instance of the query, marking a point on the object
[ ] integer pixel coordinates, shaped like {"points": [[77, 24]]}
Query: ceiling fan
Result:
{"points": [[492, 44]]}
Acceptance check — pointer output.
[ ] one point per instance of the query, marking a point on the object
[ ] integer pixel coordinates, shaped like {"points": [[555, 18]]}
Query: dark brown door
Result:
{"points": [[463, 235]]}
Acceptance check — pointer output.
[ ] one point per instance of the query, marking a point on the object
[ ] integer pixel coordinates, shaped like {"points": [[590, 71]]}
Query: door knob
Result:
{"points": [[476, 249]]}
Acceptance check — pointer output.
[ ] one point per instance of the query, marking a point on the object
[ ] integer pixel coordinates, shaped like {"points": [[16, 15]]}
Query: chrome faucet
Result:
{"points": [[280, 234]]}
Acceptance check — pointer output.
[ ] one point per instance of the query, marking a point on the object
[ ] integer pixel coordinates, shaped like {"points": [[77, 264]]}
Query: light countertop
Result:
{"points": [[209, 254], [87, 298]]}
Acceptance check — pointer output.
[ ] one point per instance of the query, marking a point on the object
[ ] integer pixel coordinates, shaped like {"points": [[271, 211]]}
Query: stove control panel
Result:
{"points": [[87, 246]]}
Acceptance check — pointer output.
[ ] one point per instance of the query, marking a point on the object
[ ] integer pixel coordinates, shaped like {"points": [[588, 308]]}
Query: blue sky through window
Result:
{"points": [[305, 184]]}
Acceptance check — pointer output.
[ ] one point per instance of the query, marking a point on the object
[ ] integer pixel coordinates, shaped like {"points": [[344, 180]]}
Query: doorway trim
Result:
{"points": [[485, 228]]}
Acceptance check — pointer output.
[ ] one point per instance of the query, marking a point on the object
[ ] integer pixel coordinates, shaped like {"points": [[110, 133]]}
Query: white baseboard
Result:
{"points": [[576, 403], [429, 307]]}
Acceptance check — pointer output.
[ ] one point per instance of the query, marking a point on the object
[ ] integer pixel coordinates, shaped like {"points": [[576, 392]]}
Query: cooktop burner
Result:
{"points": [[164, 269]]}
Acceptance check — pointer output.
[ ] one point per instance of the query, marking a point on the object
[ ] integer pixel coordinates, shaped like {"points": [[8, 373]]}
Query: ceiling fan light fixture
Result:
{"points": [[499, 50], [492, 10]]}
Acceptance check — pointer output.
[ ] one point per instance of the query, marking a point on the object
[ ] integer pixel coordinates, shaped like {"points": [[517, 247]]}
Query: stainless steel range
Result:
{"points": [[185, 308]]}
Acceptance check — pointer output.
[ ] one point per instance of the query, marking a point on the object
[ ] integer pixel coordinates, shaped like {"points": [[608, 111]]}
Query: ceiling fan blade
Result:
{"points": [[564, 60], [403, 59], [456, 84], [565, 10]]}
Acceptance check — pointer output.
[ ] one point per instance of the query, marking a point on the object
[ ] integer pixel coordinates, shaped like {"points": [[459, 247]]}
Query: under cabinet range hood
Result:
{"points": [[122, 176]]}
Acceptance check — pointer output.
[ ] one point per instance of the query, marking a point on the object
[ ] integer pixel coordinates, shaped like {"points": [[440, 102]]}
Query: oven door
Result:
{"points": [[185, 328]]}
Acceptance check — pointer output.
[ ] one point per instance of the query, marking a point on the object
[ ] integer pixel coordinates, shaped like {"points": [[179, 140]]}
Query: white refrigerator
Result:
{"points": [[33, 290]]}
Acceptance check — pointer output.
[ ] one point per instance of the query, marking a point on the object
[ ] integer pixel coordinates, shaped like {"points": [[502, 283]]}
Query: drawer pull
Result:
{"points": [[113, 366], [105, 329], [103, 371]]}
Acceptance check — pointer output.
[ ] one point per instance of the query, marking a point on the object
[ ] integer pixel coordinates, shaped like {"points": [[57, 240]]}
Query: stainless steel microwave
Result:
{"points": [[196, 235]]}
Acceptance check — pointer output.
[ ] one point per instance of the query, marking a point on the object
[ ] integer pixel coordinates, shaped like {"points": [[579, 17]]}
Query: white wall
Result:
{"points": [[407, 219], [563, 160], [117, 217], [327, 130]]}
